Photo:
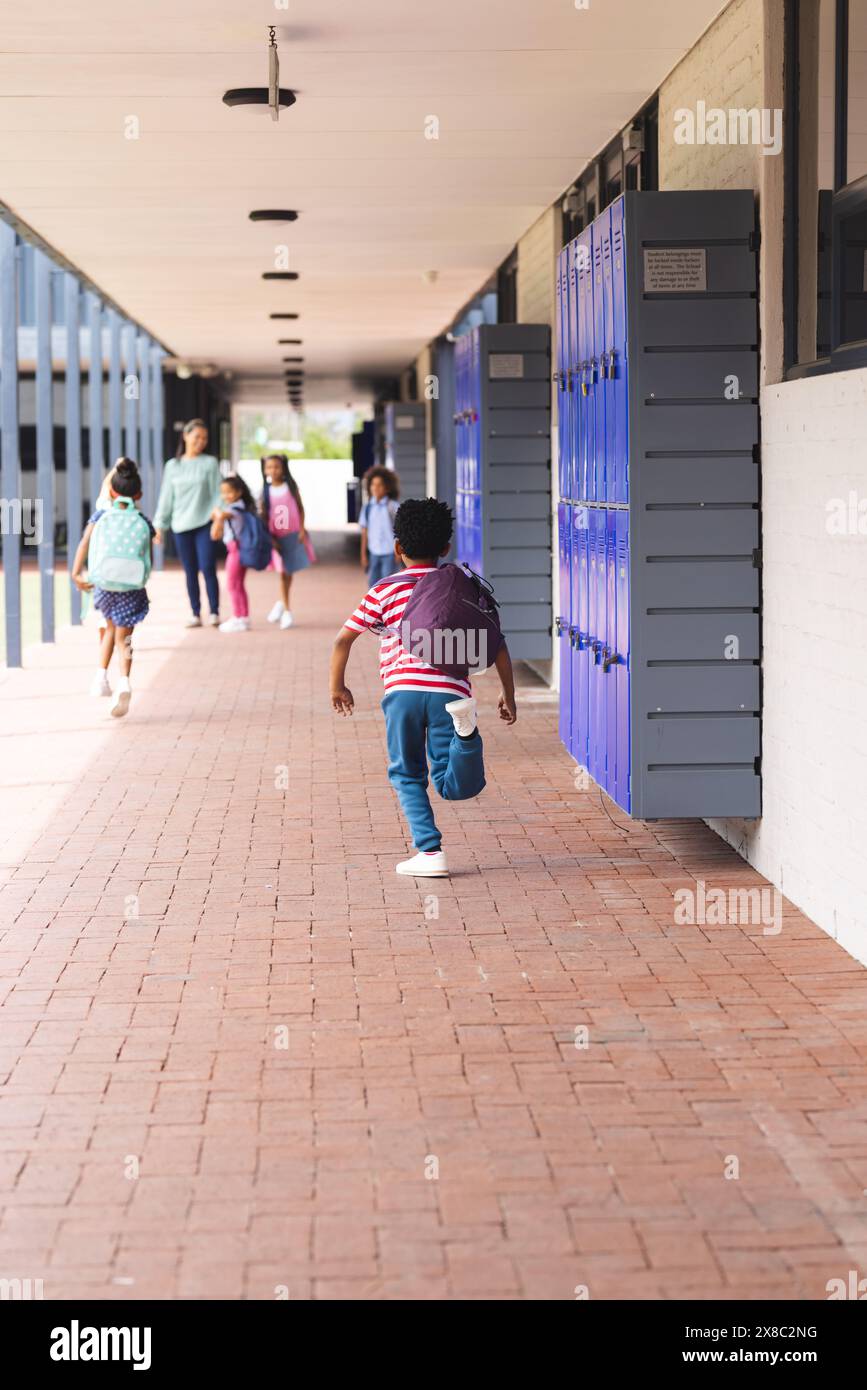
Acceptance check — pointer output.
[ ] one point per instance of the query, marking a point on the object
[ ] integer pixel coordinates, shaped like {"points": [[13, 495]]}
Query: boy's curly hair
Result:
{"points": [[424, 527], [388, 478]]}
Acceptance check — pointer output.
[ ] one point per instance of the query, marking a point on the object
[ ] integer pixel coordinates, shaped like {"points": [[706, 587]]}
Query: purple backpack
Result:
{"points": [[451, 621]]}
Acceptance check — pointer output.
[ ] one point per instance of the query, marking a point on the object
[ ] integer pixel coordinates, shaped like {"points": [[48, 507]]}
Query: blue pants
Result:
{"points": [[380, 567], [419, 728], [197, 553]]}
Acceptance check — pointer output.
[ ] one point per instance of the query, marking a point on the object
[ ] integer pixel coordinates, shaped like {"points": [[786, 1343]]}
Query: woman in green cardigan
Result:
{"points": [[189, 493]]}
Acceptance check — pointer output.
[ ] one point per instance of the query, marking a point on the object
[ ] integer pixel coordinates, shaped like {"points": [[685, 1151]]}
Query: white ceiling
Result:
{"points": [[525, 94]]}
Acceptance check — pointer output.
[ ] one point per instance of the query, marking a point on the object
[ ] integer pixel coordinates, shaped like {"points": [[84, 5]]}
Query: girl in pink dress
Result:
{"points": [[283, 514]]}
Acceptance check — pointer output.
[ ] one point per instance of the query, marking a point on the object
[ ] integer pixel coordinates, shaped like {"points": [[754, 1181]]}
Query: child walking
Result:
{"points": [[117, 551], [235, 499], [102, 504], [377, 523], [283, 514], [430, 715]]}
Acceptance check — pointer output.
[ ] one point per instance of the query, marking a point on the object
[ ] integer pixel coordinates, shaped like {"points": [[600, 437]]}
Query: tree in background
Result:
{"points": [[322, 434]]}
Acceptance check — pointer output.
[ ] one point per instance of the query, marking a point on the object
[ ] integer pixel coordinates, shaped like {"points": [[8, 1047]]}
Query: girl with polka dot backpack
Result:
{"points": [[116, 550]]}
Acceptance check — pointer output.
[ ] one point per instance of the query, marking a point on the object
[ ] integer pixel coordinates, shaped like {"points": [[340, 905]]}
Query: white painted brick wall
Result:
{"points": [[812, 838], [725, 70], [537, 261]]}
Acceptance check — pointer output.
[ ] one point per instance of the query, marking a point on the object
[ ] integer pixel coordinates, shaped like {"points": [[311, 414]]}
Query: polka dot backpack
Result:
{"points": [[119, 555]]}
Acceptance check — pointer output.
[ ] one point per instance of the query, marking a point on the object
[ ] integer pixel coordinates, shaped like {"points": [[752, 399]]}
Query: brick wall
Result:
{"points": [[537, 253], [737, 64], [724, 69], [812, 838], [812, 835]]}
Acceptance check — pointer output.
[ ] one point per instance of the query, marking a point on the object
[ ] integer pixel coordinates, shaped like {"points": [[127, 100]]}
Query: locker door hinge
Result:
{"points": [[757, 453], [757, 559], [755, 240], [757, 766]]}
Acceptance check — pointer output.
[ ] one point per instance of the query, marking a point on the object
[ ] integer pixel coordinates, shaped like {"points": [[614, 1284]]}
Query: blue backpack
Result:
{"points": [[254, 544]]}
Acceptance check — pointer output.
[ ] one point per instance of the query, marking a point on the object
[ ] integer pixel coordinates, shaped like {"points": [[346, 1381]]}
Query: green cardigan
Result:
{"points": [[190, 491]]}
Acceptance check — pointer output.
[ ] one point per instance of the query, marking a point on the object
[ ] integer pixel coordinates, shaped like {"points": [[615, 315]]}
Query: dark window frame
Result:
{"points": [[847, 200], [595, 186], [507, 289]]}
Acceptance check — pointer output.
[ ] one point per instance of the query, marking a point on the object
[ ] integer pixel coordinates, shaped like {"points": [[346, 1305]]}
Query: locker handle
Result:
{"points": [[611, 365]]}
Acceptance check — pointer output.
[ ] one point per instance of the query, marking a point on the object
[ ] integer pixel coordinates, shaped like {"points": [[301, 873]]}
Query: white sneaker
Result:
{"points": [[99, 685], [286, 621], [193, 621], [120, 703], [423, 865], [235, 625], [276, 612], [214, 619], [463, 713]]}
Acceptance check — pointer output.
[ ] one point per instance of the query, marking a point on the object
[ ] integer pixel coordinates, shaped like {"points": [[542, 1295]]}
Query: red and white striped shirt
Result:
{"points": [[383, 606]]}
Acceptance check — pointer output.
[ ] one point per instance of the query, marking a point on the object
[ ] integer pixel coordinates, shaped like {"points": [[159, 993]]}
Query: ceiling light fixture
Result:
{"points": [[279, 274], [271, 98], [273, 215], [293, 359], [289, 342], [283, 316]]}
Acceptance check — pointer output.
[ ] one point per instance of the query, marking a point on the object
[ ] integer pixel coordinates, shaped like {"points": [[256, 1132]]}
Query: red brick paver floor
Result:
{"points": [[241, 1058]]}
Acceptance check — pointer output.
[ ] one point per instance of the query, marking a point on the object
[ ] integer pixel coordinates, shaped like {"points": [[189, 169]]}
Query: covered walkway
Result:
{"points": [[244, 1059]]}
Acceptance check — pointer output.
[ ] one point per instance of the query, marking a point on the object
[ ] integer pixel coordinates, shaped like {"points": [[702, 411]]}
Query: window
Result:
{"points": [[630, 161], [507, 290], [826, 185]]}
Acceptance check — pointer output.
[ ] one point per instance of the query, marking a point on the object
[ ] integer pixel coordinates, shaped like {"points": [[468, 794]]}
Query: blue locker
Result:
{"points": [[581, 292], [631, 734], [580, 634], [598, 731], [564, 473], [597, 470], [564, 620], [623, 791], [567, 392], [617, 399], [609, 659]]}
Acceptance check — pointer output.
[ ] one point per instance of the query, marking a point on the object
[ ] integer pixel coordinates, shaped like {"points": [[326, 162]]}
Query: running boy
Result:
{"points": [[430, 716]]}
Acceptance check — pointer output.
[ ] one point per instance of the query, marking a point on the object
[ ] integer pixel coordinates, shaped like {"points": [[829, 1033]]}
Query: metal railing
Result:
{"points": [[124, 389]]}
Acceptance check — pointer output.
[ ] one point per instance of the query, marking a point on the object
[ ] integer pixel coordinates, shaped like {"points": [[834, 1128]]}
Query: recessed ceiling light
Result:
{"points": [[283, 316], [273, 215], [293, 359], [279, 274], [259, 97], [289, 342]]}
